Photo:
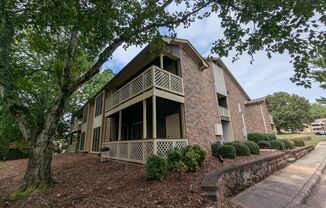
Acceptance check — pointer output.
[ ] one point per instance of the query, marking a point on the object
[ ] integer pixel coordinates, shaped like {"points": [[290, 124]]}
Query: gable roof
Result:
{"points": [[257, 100]]}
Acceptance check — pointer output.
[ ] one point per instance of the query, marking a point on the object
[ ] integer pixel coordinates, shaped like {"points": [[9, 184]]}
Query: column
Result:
{"points": [[120, 125], [161, 61], [182, 119], [154, 116], [144, 119]]}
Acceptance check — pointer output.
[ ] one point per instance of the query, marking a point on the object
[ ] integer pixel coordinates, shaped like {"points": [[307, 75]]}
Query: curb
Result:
{"points": [[306, 190]]}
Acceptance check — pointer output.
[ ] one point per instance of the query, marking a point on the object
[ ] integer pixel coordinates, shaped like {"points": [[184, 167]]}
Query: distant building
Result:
{"points": [[319, 125]]}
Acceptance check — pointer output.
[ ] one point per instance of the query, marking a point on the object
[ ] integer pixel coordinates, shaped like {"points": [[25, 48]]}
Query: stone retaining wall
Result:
{"points": [[231, 180]]}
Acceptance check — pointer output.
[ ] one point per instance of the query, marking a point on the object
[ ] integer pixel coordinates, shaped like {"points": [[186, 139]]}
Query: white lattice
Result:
{"points": [[161, 78], [148, 79], [180, 144], [124, 93], [137, 85], [136, 151], [148, 150], [113, 150], [163, 147], [176, 84], [123, 150]]}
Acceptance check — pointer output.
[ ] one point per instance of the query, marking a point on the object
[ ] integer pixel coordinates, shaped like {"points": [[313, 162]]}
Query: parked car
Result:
{"points": [[320, 133]]}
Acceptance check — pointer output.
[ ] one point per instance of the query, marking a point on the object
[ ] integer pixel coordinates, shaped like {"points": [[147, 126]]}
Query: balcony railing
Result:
{"points": [[223, 111], [139, 150], [152, 77], [76, 125]]}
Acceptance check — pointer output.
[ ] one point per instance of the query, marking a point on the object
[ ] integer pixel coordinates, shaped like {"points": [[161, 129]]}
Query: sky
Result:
{"points": [[261, 78]]}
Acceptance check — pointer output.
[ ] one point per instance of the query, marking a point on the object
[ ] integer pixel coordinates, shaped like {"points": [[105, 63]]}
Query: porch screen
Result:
{"points": [[96, 140], [82, 141]]}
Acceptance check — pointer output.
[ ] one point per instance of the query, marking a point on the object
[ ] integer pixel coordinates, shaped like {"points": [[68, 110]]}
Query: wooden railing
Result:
{"points": [[138, 151], [76, 125], [152, 77], [223, 111]]}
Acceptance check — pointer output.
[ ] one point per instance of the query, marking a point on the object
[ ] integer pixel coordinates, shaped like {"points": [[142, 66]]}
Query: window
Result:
{"points": [[98, 107], [85, 112], [82, 141], [96, 140]]}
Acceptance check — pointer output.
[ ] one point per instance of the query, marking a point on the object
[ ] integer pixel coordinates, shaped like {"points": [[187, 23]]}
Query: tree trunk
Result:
{"points": [[41, 149], [39, 164], [278, 129]]}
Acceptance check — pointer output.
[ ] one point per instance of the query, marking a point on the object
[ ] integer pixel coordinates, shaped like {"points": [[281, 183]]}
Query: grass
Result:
{"points": [[314, 138], [27, 191], [2, 165]]}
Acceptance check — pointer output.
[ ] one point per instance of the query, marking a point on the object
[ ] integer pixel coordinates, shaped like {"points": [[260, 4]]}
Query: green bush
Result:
{"points": [[241, 149], [201, 154], [190, 158], [298, 142], [277, 145], [253, 147], [255, 137], [214, 148], [174, 156], [156, 168], [270, 137], [227, 151], [180, 167], [288, 144], [264, 144]]}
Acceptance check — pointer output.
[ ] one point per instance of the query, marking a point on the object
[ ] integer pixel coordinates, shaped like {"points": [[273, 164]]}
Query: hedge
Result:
{"points": [[264, 144], [277, 145], [298, 142], [253, 147], [255, 137], [288, 144], [227, 151], [241, 149]]}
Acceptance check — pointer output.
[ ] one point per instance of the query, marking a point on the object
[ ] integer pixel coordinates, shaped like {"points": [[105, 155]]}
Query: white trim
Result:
{"points": [[262, 115]]}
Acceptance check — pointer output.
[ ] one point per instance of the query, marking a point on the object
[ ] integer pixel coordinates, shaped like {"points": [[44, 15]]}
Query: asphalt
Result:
{"points": [[287, 187]]}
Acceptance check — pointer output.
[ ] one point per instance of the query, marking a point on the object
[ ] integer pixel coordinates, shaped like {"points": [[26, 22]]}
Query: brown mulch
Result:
{"points": [[82, 181]]}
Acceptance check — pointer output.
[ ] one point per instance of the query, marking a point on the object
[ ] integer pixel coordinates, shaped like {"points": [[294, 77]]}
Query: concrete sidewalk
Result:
{"points": [[284, 188]]}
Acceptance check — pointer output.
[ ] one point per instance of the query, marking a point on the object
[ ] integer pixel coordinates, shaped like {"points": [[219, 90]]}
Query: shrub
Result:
{"points": [[241, 149], [253, 147], [298, 142], [174, 156], [277, 145], [227, 151], [255, 137], [287, 143], [156, 168], [264, 144], [180, 167], [190, 158], [270, 137], [214, 148], [201, 154]]}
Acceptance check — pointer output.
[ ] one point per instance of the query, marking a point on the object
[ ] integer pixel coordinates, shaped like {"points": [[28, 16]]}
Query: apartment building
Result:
{"points": [[164, 99]]}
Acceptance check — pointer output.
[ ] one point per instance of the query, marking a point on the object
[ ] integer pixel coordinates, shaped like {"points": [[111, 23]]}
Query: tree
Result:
{"points": [[317, 111], [289, 112], [275, 26], [46, 55]]}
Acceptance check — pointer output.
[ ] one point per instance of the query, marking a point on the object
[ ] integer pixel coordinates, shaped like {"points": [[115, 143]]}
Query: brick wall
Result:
{"points": [[200, 101], [235, 96], [254, 118]]}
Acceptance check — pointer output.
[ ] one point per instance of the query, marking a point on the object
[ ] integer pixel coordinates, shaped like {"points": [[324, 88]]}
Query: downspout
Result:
{"points": [[262, 115]]}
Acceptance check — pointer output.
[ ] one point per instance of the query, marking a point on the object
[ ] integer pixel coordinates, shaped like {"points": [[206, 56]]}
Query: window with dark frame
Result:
{"points": [[82, 141], [96, 140], [85, 112], [98, 107]]}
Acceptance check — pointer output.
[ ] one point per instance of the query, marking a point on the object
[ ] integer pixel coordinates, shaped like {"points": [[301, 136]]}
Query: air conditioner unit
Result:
{"points": [[218, 129]]}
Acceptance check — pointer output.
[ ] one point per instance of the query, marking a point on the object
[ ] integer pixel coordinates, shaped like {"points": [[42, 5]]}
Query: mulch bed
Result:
{"points": [[82, 181]]}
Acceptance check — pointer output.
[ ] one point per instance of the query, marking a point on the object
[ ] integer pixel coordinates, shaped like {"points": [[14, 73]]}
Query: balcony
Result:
{"points": [[223, 111], [138, 151], [152, 77], [76, 125]]}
